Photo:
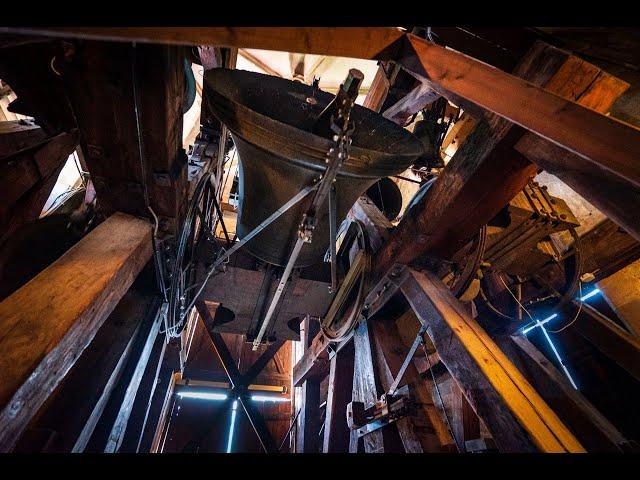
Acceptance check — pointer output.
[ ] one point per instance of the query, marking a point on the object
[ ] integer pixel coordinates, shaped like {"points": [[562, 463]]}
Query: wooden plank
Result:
{"points": [[355, 42], [592, 429], [28, 180], [601, 140], [379, 89], [336, 431], [47, 323], [517, 417], [622, 292]]}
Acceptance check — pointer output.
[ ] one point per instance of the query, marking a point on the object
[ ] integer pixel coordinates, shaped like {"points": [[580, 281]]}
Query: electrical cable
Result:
{"points": [[516, 299], [574, 318], [143, 171]]}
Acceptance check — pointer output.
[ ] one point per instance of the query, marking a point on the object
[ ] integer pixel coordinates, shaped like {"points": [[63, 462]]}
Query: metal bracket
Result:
{"points": [[387, 410]]}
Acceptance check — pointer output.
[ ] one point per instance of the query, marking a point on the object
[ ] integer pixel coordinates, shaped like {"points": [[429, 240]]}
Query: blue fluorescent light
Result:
{"points": [[593, 292], [265, 398], [203, 395], [539, 323], [553, 347], [232, 426]]}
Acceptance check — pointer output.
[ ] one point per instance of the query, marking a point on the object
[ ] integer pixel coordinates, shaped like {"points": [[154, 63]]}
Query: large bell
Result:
{"points": [[270, 120]]}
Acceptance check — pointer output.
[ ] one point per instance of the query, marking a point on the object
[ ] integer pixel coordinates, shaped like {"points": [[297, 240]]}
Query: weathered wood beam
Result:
{"points": [[485, 172], [413, 102], [308, 429], [28, 179], [601, 140], [103, 81], [16, 135], [336, 431], [612, 340], [367, 389], [607, 248], [425, 431], [46, 324], [76, 406], [591, 428], [379, 89], [355, 42], [517, 417]]}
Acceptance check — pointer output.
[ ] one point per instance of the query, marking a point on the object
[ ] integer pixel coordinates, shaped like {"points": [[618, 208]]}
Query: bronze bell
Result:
{"points": [[271, 120]]}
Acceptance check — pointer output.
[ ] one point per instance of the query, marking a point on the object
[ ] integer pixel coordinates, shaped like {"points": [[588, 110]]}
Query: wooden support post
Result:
{"points": [[367, 390], [593, 430], [105, 83], [336, 430], [307, 438], [517, 417], [426, 431], [46, 324]]}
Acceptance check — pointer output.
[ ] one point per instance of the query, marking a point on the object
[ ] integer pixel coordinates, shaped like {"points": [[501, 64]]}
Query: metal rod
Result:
{"points": [[416, 343], [268, 221], [276, 297], [332, 238], [293, 424]]}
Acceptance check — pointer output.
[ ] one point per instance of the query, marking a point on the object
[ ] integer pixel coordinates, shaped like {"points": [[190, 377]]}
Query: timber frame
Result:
{"points": [[527, 119]]}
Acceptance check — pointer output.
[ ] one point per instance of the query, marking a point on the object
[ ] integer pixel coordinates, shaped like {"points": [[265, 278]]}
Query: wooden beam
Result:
{"points": [[46, 324], [367, 389], [517, 417], [336, 431], [28, 179], [485, 172], [103, 82], [355, 42], [16, 135], [75, 407], [413, 102], [308, 429], [379, 89], [591, 428], [612, 340], [425, 431], [601, 140], [607, 248]]}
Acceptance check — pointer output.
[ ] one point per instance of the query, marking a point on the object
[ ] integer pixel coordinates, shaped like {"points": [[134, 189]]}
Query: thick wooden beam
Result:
{"points": [[336, 431], [425, 431], [591, 428], [16, 135], [485, 172], [607, 248], [611, 339], [105, 82], [356, 42], [27, 180], [413, 102], [74, 409], [308, 429], [517, 417], [601, 140], [367, 389], [46, 324]]}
